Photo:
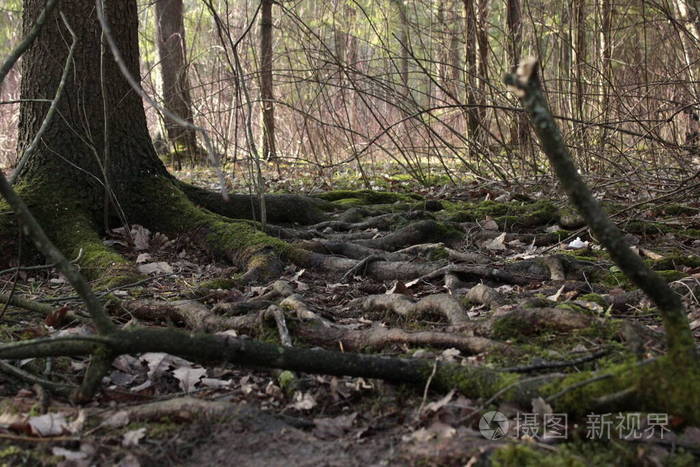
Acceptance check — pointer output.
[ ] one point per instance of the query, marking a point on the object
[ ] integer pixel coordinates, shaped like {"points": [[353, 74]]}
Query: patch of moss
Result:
{"points": [[349, 202], [69, 221], [570, 218], [572, 306], [368, 196], [595, 298], [676, 210], [510, 327], [671, 275], [438, 253], [667, 384], [688, 233], [240, 241], [475, 381], [612, 278], [643, 227], [542, 213], [520, 455], [164, 428], [16, 455], [581, 453], [674, 261], [509, 213], [287, 381], [220, 283]]}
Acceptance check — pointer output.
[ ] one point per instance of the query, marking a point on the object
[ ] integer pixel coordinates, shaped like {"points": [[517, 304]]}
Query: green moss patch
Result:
{"points": [[506, 214], [344, 197]]}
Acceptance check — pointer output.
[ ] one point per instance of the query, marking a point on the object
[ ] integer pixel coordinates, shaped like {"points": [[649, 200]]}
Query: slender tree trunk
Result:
{"points": [[514, 20], [170, 37], [565, 58], [482, 39], [455, 55], [472, 72], [403, 45], [269, 149], [580, 46], [606, 12]]}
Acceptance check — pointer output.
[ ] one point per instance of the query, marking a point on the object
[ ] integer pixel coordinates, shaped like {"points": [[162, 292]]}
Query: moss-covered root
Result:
{"points": [[651, 386], [281, 209], [71, 228], [242, 242], [75, 235], [260, 254]]}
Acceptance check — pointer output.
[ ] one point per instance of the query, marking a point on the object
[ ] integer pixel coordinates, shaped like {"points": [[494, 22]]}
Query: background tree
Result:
{"points": [[267, 96], [170, 37]]}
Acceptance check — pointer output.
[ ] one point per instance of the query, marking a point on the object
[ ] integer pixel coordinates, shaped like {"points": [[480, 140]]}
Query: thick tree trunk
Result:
{"points": [[63, 181], [72, 150], [266, 91]]}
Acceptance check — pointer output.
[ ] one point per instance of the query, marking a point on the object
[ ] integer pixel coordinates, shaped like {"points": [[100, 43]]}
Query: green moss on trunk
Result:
{"points": [[69, 221]]}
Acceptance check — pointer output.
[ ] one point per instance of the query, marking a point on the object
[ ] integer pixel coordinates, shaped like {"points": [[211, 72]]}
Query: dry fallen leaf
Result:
{"points": [[68, 454], [437, 405], [133, 437], [188, 377], [159, 362], [497, 243], [76, 426], [141, 236], [160, 267], [303, 401], [50, 424], [117, 419], [142, 258]]}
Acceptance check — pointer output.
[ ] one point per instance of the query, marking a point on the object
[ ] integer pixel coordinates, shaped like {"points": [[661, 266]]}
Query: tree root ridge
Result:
{"points": [[576, 394]]}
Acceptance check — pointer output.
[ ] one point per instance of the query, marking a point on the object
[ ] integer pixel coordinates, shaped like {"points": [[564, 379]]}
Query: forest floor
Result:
{"points": [[491, 252]]}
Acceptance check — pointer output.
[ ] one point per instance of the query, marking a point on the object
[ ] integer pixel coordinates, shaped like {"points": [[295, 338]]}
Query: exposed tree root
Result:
{"points": [[443, 304], [393, 256], [576, 394], [377, 338], [282, 209], [381, 270], [485, 295], [72, 229], [418, 232]]}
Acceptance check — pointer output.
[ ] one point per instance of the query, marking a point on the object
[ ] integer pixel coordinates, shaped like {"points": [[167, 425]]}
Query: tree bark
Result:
{"points": [[71, 156], [170, 34], [269, 149]]}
